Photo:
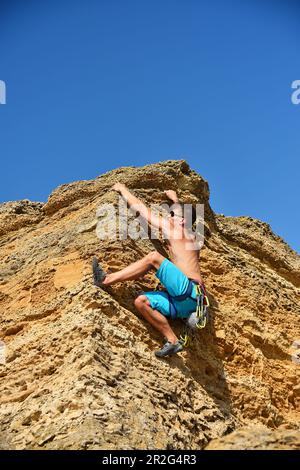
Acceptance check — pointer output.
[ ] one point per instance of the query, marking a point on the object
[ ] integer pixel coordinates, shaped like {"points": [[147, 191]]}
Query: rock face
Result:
{"points": [[257, 438], [78, 370]]}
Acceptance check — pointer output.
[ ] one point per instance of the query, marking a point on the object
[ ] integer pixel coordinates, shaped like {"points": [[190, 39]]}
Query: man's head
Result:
{"points": [[182, 215]]}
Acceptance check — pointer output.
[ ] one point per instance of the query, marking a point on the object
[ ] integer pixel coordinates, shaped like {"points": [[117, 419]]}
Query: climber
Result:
{"points": [[180, 275]]}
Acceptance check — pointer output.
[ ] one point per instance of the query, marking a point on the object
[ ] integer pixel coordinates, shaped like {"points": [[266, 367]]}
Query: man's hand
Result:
{"points": [[171, 195], [119, 187]]}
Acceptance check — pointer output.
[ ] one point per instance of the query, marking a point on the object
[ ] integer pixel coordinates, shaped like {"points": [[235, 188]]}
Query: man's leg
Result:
{"points": [[154, 317], [135, 270]]}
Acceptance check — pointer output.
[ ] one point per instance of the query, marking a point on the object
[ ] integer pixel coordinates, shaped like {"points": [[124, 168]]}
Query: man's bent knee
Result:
{"points": [[140, 301], [155, 259]]}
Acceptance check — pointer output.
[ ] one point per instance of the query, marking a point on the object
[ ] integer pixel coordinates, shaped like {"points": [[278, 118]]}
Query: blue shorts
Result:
{"points": [[176, 284]]}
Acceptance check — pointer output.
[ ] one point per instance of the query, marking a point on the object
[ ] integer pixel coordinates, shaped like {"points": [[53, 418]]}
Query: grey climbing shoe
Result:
{"points": [[98, 273], [169, 348]]}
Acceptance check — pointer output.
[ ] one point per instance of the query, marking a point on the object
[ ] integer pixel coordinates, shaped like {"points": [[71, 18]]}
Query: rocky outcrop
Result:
{"points": [[80, 371], [258, 437]]}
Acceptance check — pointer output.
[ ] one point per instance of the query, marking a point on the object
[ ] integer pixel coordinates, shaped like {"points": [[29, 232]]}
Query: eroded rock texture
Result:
{"points": [[80, 371], [258, 437]]}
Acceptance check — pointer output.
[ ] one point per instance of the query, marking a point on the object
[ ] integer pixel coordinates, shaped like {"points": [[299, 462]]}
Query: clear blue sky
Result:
{"points": [[93, 85]]}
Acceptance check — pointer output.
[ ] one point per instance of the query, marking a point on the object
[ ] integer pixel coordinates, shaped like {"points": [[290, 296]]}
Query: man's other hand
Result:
{"points": [[171, 195], [118, 187]]}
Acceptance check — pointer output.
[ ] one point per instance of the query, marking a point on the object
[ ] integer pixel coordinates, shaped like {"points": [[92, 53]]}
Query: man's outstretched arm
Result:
{"points": [[137, 205]]}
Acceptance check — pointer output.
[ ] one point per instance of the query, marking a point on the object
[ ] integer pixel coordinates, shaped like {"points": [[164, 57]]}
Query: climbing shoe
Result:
{"points": [[98, 273], [169, 348]]}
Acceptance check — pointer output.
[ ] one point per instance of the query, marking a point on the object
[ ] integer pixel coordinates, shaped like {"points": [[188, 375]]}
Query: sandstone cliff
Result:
{"points": [[80, 370]]}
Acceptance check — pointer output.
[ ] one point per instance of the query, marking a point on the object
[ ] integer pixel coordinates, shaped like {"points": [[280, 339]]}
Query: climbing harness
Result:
{"points": [[197, 319]]}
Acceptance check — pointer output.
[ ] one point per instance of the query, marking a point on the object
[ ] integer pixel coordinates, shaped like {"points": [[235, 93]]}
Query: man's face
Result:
{"points": [[176, 217]]}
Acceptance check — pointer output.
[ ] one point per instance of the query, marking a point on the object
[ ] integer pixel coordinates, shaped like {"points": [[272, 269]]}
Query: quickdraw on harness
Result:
{"points": [[202, 306], [197, 319]]}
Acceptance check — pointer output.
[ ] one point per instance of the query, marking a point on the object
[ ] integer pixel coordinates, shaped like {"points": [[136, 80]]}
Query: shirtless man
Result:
{"points": [[174, 274]]}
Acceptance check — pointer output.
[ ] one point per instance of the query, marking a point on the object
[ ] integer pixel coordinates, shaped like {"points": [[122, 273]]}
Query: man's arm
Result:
{"points": [[136, 204]]}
